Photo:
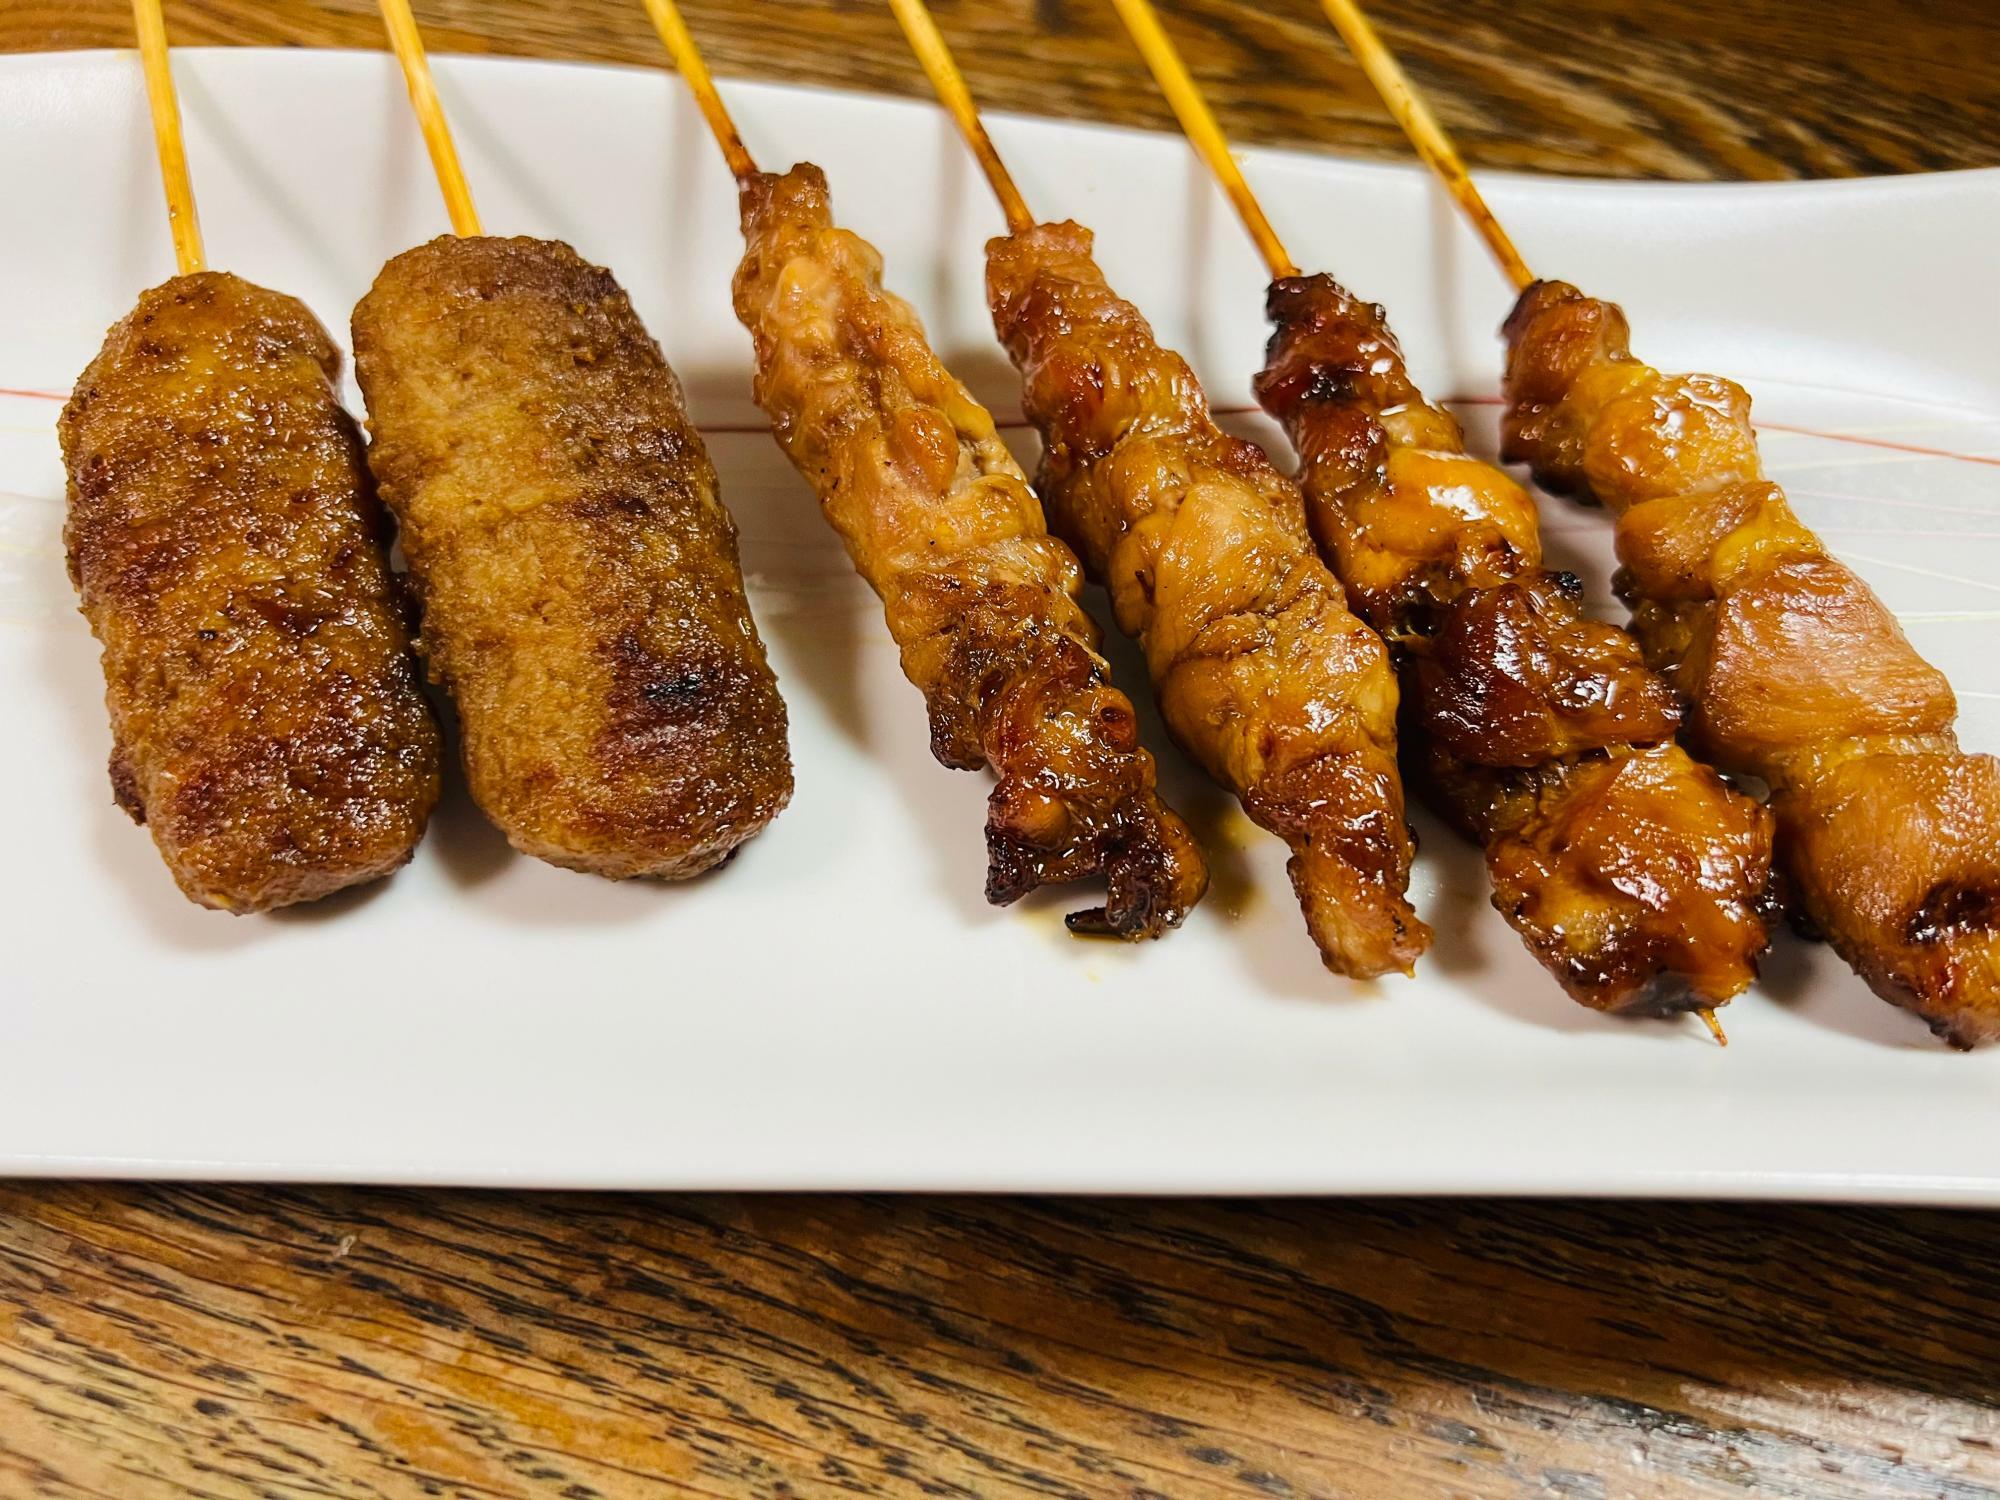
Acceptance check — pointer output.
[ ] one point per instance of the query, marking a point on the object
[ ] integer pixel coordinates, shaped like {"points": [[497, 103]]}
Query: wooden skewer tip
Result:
{"points": [[1406, 106], [1199, 124], [942, 69], [408, 43], [688, 61], [183, 222]]}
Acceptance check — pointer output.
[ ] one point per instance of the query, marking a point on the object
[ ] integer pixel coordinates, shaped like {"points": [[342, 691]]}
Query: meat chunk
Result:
{"points": [[266, 720], [1798, 674], [1262, 671], [1516, 676], [1635, 875]]}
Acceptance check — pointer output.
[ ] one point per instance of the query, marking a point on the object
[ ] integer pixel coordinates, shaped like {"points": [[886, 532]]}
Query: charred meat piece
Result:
{"points": [[582, 600], [939, 519], [1635, 875], [266, 720], [1262, 671], [1798, 675]]}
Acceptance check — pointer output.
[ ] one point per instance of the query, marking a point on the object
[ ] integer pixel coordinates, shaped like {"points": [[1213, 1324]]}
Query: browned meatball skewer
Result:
{"points": [[266, 720], [223, 535], [582, 600]]}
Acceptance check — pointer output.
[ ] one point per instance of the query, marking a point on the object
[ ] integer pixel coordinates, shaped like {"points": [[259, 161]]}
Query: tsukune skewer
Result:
{"points": [[266, 722], [582, 599]]}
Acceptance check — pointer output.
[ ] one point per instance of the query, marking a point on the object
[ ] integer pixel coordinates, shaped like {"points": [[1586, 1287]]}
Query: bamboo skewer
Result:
{"points": [[687, 58], [182, 220], [1410, 112], [409, 45], [1199, 124], [935, 55]]}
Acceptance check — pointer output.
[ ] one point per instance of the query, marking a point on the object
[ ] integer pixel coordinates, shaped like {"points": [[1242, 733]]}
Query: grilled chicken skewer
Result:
{"points": [[582, 598], [266, 720], [1797, 673], [1635, 875], [938, 518], [1262, 671]]}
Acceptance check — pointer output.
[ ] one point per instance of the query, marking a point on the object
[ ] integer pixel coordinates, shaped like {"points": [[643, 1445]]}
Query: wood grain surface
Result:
{"points": [[1697, 88], [251, 1341], [240, 1341]]}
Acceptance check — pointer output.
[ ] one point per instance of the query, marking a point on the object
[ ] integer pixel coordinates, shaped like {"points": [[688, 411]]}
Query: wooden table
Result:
{"points": [[267, 1341]]}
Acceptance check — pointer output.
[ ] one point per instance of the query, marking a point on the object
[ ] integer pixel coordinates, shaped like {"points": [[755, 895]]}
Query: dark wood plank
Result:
{"points": [[1700, 88], [243, 1341]]}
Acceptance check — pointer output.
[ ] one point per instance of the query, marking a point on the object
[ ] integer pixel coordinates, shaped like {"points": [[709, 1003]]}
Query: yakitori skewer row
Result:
{"points": [[1634, 874], [1263, 673], [938, 518], [266, 720], [583, 604], [1797, 674]]}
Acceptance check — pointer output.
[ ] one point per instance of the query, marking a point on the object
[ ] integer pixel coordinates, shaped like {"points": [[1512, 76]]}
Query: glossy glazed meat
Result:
{"points": [[581, 595], [981, 600], [1797, 673], [1262, 672], [1634, 874], [266, 720]]}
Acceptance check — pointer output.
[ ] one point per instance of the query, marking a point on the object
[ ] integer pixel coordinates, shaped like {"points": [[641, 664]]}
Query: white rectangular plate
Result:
{"points": [[838, 1008]]}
